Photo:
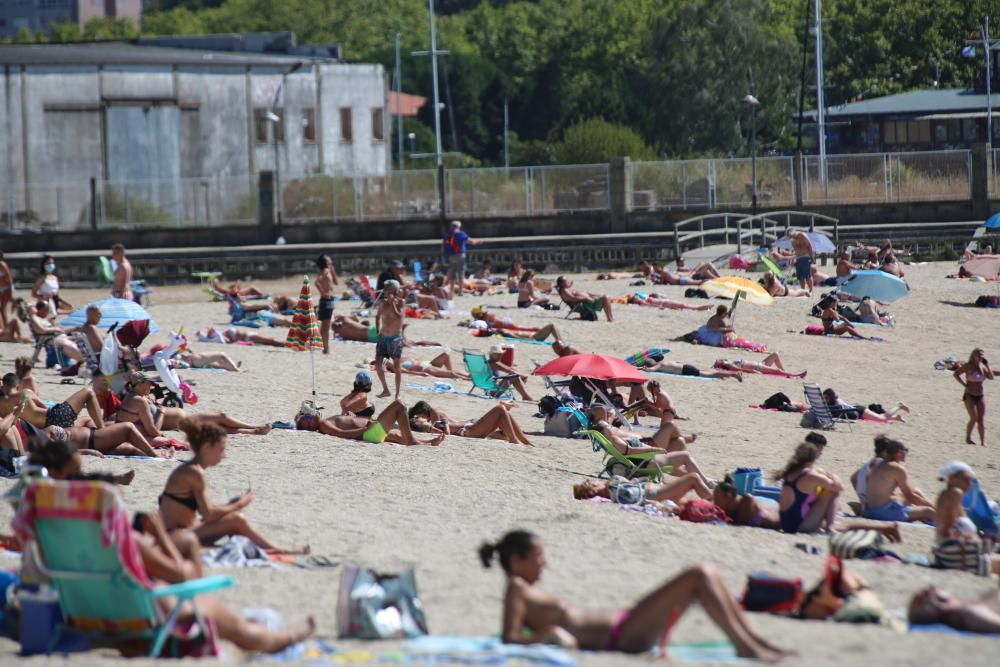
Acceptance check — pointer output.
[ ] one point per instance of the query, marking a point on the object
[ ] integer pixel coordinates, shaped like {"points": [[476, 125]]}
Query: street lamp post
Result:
{"points": [[273, 118], [412, 136], [754, 103]]}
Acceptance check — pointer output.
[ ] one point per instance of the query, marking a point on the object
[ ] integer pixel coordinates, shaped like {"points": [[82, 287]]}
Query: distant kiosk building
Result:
{"points": [[180, 125]]}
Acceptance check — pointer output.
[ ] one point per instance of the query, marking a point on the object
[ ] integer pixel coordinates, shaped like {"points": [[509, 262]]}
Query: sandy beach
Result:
{"points": [[388, 506]]}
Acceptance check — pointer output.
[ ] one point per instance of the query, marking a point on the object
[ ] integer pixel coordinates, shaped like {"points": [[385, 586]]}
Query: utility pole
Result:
{"points": [[434, 53], [506, 131], [398, 80], [989, 75], [820, 101]]}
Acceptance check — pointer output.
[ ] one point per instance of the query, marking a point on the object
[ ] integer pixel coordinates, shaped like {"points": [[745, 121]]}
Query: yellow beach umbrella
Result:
{"points": [[732, 287]]}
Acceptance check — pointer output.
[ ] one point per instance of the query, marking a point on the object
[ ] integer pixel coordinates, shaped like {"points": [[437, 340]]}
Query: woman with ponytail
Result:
{"points": [[185, 495], [532, 616]]}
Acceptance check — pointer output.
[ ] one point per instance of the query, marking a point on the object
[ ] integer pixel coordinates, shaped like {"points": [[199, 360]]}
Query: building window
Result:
{"points": [[970, 131], [262, 126], [890, 132], [378, 124], [940, 132], [346, 128], [309, 125]]}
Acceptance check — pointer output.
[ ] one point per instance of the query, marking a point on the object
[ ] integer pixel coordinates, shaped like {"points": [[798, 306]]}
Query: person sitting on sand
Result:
{"points": [[777, 288], [438, 367], [90, 330], [505, 375], [40, 326], [834, 324], [719, 332], [701, 271], [658, 401], [356, 403], [810, 498], [498, 422], [531, 616], [573, 297], [140, 408], [505, 324], [15, 329], [770, 365], [888, 476], [859, 479], [841, 409], [23, 367], [39, 415], [957, 545], [845, 267], [656, 301], [627, 443], [375, 431], [514, 274], [527, 294], [870, 315], [234, 335], [185, 496], [933, 605], [674, 490]]}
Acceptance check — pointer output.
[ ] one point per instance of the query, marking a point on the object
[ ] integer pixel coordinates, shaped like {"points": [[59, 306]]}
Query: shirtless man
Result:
{"points": [[888, 475], [325, 283], [389, 325], [573, 297], [378, 430], [121, 288], [39, 324], [859, 480], [845, 268], [90, 330], [36, 413], [563, 349], [804, 258], [6, 289], [954, 530]]}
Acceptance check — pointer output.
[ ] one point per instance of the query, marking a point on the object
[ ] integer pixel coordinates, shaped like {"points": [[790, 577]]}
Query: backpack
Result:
{"points": [[562, 424], [765, 592], [776, 402], [697, 510]]}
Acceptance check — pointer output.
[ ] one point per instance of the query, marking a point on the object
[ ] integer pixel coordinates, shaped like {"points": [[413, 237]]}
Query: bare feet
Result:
{"points": [[385, 394], [125, 479], [262, 430], [891, 533], [301, 632], [904, 407], [435, 441]]}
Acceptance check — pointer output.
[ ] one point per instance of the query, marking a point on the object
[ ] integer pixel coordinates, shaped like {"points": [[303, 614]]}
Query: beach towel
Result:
{"points": [[431, 649], [445, 388], [816, 330], [236, 552], [743, 344], [686, 377]]}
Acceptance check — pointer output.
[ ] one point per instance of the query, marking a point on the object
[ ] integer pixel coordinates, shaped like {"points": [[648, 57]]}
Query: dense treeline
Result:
{"points": [[667, 76]]}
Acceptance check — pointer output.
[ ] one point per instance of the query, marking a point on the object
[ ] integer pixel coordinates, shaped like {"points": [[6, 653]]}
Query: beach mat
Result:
{"points": [[430, 649], [678, 375], [439, 389]]}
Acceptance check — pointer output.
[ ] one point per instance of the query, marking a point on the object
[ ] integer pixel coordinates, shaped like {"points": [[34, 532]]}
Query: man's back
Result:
{"points": [[883, 481]]}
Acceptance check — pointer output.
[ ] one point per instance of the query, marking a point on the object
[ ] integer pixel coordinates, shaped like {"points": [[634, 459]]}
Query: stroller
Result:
{"points": [[131, 334]]}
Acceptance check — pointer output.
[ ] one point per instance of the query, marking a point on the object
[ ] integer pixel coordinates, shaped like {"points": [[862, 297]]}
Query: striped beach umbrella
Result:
{"points": [[304, 333]]}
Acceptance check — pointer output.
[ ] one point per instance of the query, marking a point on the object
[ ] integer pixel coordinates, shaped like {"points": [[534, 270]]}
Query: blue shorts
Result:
{"points": [[803, 267], [891, 511], [388, 347]]}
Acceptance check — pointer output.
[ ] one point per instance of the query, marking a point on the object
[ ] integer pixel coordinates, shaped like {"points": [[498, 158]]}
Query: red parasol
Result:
{"points": [[593, 366]]}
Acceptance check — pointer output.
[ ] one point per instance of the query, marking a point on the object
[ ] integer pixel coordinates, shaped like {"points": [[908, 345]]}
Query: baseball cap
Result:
{"points": [[477, 311], [141, 376], [396, 264], [363, 377], [496, 349], [456, 224], [954, 468]]}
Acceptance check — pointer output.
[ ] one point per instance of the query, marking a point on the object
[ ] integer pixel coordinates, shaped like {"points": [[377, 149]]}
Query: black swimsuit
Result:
{"points": [[189, 502]]}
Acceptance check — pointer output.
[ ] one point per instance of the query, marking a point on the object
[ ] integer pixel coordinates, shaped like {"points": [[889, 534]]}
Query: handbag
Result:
{"points": [[379, 606]]}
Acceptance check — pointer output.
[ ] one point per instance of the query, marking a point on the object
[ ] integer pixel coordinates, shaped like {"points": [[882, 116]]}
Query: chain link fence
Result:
{"points": [[710, 184], [496, 192]]}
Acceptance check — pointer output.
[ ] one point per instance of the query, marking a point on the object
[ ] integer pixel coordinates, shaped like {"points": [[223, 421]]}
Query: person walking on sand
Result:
{"points": [[389, 342], [324, 286], [121, 288], [805, 255], [976, 371], [455, 244]]}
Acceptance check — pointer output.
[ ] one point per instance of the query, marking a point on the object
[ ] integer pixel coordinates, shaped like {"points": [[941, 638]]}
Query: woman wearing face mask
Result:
{"points": [[47, 288], [185, 496]]}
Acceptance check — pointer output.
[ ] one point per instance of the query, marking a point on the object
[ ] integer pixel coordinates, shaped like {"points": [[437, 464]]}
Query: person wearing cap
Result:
{"points": [[958, 546], [389, 341], [455, 244], [505, 375], [393, 272], [356, 403], [886, 477]]}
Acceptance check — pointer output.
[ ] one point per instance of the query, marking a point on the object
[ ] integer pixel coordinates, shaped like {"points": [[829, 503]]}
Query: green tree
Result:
{"points": [[595, 140]]}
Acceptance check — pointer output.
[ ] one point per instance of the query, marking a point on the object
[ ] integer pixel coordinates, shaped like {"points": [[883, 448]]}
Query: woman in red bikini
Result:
{"points": [[634, 630]]}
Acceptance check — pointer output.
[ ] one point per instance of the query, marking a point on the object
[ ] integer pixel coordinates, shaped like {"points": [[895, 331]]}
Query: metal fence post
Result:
{"points": [[684, 186], [93, 204], [528, 203], [543, 201], [359, 209]]}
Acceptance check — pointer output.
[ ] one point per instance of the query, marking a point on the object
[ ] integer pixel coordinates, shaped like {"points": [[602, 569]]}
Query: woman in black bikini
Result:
{"points": [[976, 371], [356, 403], [185, 495], [634, 630], [498, 422], [526, 296]]}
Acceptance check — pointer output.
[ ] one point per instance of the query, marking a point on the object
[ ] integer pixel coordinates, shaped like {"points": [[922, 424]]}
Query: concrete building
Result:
{"points": [[176, 135], [39, 15]]}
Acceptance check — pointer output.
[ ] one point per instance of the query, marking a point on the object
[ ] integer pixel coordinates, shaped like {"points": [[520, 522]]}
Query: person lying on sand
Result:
{"points": [[563, 349], [38, 414], [140, 408], [438, 367], [701, 271], [658, 363], [63, 461], [238, 290], [532, 616], [495, 321], [348, 327], [674, 490], [841, 409], [498, 422], [888, 483], [185, 496], [934, 604], [656, 301], [574, 297], [376, 431], [769, 365], [219, 360], [777, 288], [111, 439], [234, 335]]}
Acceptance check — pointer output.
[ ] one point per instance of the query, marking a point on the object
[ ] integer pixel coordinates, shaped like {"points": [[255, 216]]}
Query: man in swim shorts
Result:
{"points": [[389, 325], [804, 258], [884, 478], [376, 431]]}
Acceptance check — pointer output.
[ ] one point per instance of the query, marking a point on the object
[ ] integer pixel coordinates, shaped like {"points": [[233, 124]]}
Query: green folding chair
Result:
{"points": [[100, 597], [482, 376], [628, 466]]}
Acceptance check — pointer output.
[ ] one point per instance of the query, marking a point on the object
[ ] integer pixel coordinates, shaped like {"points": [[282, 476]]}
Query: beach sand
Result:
{"points": [[389, 507]]}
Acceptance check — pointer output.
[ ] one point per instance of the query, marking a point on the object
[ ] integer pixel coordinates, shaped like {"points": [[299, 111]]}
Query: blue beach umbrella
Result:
{"points": [[822, 245], [878, 285], [113, 311], [993, 222]]}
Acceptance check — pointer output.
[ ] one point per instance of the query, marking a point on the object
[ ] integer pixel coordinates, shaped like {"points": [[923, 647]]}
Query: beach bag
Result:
{"points": [[765, 592], [864, 544], [308, 416], [809, 420], [625, 492], [697, 510], [379, 606], [562, 424], [813, 330]]}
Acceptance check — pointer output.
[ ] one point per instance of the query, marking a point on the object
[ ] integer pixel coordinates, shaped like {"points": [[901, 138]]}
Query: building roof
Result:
{"points": [[916, 103], [405, 104], [127, 53]]}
